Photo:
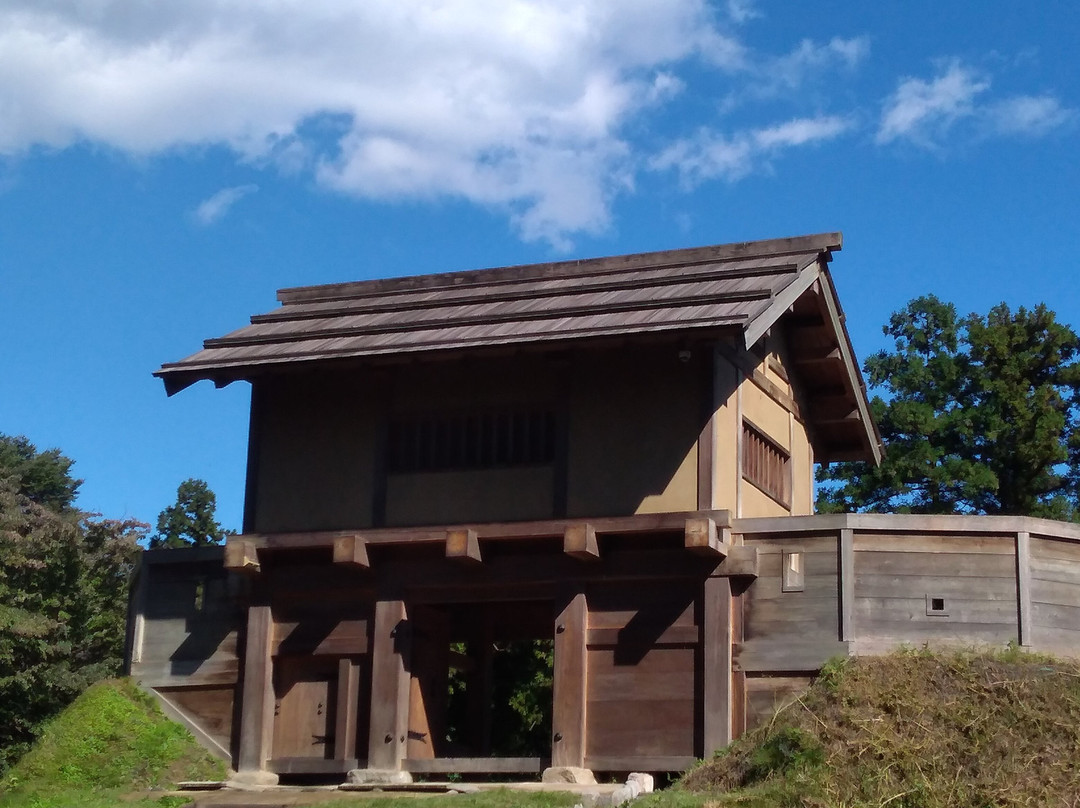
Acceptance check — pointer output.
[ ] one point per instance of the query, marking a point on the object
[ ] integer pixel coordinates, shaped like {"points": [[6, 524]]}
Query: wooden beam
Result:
{"points": [[702, 536], [493, 531], [388, 726], [579, 541], [311, 765], [781, 302], [716, 648], [826, 355], [463, 543], [641, 763], [569, 683], [348, 698], [1023, 588], [241, 555], [750, 370], [257, 699], [351, 551], [476, 765], [740, 560]]}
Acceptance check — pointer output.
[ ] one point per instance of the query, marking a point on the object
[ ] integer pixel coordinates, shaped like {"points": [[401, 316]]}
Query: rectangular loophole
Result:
{"points": [[794, 571], [936, 606]]}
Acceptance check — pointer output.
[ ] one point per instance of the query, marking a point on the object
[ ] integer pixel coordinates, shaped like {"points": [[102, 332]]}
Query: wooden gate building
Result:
{"points": [[615, 455]]}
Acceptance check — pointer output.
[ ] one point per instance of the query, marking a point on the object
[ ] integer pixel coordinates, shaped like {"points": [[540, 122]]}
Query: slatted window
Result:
{"points": [[473, 441], [766, 465]]}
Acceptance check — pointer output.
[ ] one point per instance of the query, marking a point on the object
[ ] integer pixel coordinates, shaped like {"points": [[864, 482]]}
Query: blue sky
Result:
{"points": [[165, 167]]}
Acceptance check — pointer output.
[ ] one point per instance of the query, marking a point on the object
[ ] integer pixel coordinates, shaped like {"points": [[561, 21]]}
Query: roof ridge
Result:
{"points": [[820, 242]]}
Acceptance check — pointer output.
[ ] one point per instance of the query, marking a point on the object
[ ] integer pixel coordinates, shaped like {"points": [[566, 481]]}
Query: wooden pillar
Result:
{"points": [[1023, 588], [716, 636], [257, 705], [847, 584], [569, 683], [389, 686], [348, 697]]}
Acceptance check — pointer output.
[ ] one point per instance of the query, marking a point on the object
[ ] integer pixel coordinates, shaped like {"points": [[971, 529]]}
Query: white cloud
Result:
{"points": [[711, 155], [1028, 115], [505, 103], [741, 11], [214, 208], [809, 59], [922, 111]]}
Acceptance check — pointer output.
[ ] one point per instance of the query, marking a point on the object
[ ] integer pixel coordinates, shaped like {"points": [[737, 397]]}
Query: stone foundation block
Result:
{"points": [[568, 774], [379, 777]]}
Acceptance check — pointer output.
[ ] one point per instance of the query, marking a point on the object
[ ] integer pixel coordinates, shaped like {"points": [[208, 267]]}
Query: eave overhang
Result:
{"points": [[748, 286]]}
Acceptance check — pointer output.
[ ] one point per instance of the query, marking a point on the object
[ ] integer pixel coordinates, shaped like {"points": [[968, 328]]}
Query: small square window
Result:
{"points": [[936, 606], [793, 574]]}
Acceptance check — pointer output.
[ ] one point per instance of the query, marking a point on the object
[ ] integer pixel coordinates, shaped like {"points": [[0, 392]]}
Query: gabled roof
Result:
{"points": [[747, 286]]}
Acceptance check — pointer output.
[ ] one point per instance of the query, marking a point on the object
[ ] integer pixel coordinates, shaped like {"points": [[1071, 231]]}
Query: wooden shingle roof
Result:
{"points": [[747, 286]]}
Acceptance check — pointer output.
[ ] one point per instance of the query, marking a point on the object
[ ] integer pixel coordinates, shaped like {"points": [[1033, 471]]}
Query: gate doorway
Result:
{"points": [[481, 678]]}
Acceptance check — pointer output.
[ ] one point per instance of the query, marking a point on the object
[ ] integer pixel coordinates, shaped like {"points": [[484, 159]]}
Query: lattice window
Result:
{"points": [[766, 465], [471, 441]]}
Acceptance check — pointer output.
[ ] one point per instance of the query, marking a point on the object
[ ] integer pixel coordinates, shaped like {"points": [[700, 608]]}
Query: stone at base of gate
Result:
{"points": [[252, 780], [379, 777], [568, 774], [645, 781]]}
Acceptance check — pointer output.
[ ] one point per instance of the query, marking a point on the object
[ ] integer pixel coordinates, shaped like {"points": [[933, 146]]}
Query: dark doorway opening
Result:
{"points": [[482, 680]]}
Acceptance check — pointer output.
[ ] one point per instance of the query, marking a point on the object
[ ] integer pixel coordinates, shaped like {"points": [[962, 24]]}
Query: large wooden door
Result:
{"points": [[305, 707]]}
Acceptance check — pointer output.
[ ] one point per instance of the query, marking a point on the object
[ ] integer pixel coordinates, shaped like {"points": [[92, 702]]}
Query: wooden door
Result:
{"points": [[305, 707]]}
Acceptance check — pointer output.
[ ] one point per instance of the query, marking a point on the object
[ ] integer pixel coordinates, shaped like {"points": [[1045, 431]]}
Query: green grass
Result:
{"points": [[112, 741], [913, 729]]}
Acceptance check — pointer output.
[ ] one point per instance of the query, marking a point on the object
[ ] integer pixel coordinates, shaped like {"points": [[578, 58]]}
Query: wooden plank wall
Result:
{"points": [[1055, 595], [973, 575], [191, 623], [791, 631], [642, 697]]}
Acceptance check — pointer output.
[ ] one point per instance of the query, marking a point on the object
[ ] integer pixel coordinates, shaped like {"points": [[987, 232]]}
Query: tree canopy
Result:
{"points": [[64, 578], [191, 520], [42, 477], [979, 414]]}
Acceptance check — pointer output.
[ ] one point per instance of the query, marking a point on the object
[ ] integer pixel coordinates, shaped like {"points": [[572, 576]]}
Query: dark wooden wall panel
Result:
{"points": [[640, 706], [211, 708]]}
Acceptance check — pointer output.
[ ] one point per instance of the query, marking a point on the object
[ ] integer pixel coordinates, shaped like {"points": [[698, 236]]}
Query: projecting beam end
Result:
{"points": [[463, 544], [241, 556], [579, 541], [351, 551], [701, 536]]}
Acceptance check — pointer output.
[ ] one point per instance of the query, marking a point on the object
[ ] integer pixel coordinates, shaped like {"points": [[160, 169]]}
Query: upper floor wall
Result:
{"points": [[646, 427]]}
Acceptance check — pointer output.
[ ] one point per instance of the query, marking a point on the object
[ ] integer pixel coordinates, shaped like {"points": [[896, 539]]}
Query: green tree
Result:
{"points": [[64, 581], [42, 477], [979, 414], [192, 520]]}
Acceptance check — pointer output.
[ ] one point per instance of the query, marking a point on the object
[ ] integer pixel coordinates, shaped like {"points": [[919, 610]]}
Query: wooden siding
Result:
{"points": [[191, 624], [643, 695], [780, 624], [352, 656], [1055, 595], [974, 576]]}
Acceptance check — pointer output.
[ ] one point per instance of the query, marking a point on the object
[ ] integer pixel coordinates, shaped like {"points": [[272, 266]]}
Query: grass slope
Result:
{"points": [[913, 729], [111, 741]]}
